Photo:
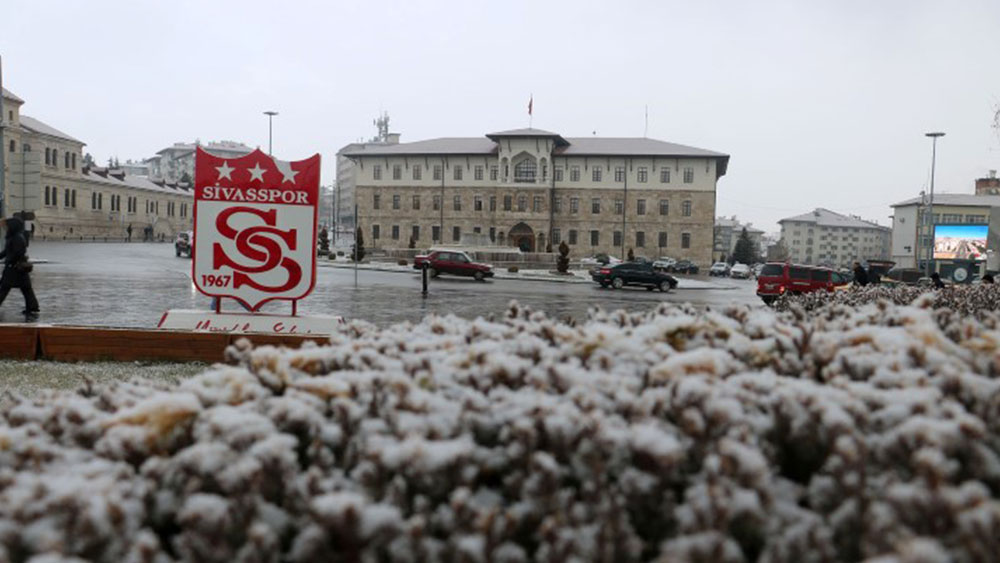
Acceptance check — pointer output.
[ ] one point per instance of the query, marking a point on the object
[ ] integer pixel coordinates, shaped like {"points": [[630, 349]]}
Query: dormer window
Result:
{"points": [[525, 171]]}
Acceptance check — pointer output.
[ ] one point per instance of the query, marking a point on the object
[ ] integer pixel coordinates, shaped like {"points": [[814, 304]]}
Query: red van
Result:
{"points": [[777, 279]]}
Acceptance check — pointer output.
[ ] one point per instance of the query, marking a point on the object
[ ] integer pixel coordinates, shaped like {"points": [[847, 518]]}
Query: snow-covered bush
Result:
{"points": [[977, 300], [745, 434]]}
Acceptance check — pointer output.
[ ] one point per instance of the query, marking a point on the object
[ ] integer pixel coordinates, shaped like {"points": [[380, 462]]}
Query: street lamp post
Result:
{"points": [[930, 207], [270, 116]]}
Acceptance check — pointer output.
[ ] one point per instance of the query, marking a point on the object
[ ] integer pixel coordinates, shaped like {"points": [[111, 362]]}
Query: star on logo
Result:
{"points": [[285, 167], [257, 173], [225, 170]]}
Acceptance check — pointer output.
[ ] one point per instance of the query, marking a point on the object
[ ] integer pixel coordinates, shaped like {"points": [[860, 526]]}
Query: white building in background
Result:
{"points": [[728, 231], [176, 162], [827, 238], [912, 251]]}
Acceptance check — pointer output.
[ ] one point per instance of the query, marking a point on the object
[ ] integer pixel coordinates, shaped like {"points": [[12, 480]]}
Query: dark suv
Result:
{"points": [[634, 273]]}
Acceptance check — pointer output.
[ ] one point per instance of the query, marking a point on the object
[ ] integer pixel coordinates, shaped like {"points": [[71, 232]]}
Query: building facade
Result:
{"points": [[62, 198], [989, 185], [728, 231], [533, 189], [826, 238], [176, 162], [912, 233]]}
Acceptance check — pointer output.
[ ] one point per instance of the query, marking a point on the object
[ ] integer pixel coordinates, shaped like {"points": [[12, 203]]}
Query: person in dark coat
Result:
{"points": [[860, 275], [936, 278], [988, 278], [15, 252], [128, 231]]}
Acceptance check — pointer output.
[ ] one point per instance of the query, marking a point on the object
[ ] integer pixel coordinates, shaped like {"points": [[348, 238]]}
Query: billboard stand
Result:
{"points": [[255, 224]]}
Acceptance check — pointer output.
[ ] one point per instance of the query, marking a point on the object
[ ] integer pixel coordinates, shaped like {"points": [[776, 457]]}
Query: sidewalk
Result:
{"points": [[574, 276]]}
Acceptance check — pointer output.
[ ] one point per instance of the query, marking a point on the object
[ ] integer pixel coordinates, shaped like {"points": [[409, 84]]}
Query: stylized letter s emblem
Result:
{"points": [[261, 244]]}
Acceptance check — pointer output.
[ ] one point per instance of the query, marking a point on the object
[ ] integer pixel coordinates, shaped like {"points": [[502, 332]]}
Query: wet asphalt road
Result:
{"points": [[131, 285]]}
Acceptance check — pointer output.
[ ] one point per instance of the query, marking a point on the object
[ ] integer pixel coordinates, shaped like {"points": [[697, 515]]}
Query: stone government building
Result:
{"points": [[529, 188], [46, 178]]}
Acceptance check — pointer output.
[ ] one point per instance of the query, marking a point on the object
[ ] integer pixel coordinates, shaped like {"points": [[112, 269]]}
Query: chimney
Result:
{"points": [[392, 139]]}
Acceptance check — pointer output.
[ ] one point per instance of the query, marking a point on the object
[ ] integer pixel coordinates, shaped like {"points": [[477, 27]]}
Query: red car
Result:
{"points": [[777, 279], [452, 262]]}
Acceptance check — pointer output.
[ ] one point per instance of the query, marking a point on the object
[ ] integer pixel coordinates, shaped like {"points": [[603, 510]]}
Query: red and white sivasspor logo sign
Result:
{"points": [[255, 227]]}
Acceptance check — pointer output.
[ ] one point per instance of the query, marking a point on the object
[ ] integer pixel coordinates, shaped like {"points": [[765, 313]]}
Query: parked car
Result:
{"points": [[452, 262], [719, 269], [777, 279], [739, 271], [685, 267], [600, 259], [184, 243], [756, 270], [664, 263], [634, 273]]}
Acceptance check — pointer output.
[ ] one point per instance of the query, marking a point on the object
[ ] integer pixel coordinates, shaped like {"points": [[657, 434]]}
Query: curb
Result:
{"points": [[504, 276]]}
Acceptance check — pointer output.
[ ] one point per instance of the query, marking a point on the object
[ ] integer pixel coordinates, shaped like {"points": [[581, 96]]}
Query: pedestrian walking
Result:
{"points": [[860, 275], [128, 232], [16, 267], [936, 278]]}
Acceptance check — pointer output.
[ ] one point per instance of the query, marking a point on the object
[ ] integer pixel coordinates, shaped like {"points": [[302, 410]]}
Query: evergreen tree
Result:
{"points": [[562, 262], [778, 252], [358, 253], [744, 251], [324, 242]]}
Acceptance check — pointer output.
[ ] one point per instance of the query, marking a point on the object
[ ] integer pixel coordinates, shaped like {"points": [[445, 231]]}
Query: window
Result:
{"points": [[524, 171], [493, 234], [557, 173], [595, 173], [436, 203], [493, 173], [595, 238], [536, 204], [617, 239], [595, 205], [477, 230], [643, 175], [688, 174], [13, 147], [493, 203], [574, 205], [417, 172], [507, 202], [435, 233], [685, 240], [665, 175], [438, 172], [46, 194], [640, 207], [415, 232], [686, 208], [664, 207], [545, 171], [975, 218], [477, 203], [456, 234], [619, 207], [397, 172], [457, 172], [93, 200], [457, 201], [376, 202], [556, 238], [522, 203], [395, 201], [72, 202], [416, 202], [619, 173], [640, 239], [951, 218], [395, 232], [478, 174], [66, 200], [574, 173], [557, 205], [377, 172], [662, 239], [48, 155], [375, 232], [572, 236]]}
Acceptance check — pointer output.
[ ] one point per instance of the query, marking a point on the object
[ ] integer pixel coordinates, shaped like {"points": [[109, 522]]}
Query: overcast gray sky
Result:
{"points": [[820, 104]]}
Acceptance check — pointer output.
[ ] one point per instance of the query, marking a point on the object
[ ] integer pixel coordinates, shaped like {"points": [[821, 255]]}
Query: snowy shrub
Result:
{"points": [[837, 433]]}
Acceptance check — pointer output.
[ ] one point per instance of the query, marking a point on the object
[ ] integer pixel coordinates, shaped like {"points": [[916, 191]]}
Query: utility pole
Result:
{"points": [[270, 115], [930, 208], [628, 165]]}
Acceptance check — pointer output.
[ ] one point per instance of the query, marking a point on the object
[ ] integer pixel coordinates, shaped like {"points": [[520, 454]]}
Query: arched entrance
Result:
{"points": [[522, 237]]}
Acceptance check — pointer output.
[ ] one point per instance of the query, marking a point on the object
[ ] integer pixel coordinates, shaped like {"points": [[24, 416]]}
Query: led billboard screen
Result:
{"points": [[960, 242]]}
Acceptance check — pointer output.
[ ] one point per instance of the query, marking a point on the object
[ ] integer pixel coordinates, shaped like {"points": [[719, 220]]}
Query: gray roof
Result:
{"points": [[959, 200], [529, 132], [32, 124], [10, 96], [734, 224], [827, 218], [577, 146], [138, 182]]}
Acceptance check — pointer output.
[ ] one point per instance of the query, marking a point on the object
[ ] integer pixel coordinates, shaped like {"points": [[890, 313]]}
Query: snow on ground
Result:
{"points": [[741, 434]]}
